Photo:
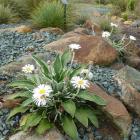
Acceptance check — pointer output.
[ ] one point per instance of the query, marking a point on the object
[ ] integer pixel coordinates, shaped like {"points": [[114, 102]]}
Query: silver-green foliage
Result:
{"points": [[64, 107]]}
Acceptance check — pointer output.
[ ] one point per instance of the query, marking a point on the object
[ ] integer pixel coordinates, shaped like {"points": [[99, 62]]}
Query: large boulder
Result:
{"points": [[115, 110], [94, 48], [129, 80], [51, 135]]}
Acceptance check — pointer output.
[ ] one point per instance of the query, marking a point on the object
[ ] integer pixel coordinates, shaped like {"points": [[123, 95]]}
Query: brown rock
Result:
{"points": [[129, 80], [23, 29], [50, 135], [93, 49], [91, 26], [115, 110], [133, 61], [128, 22], [57, 31], [76, 32], [4, 103]]}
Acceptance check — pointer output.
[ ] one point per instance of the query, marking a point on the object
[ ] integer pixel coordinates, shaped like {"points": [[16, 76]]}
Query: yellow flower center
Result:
{"points": [[42, 91], [29, 69], [80, 82]]}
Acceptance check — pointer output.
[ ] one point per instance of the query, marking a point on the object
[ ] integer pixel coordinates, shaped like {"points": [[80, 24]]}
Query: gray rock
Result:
{"points": [[50, 135]]}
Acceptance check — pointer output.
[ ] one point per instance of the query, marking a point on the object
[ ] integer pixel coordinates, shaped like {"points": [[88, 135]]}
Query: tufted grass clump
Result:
{"points": [[24, 8], [6, 15], [48, 14]]}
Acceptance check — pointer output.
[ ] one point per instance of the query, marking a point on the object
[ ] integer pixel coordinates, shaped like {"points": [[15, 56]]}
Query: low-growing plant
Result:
{"points": [[119, 45], [6, 14], [55, 95]]}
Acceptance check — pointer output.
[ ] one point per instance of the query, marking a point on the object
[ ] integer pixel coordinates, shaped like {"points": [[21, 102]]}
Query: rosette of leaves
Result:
{"points": [[65, 107]]}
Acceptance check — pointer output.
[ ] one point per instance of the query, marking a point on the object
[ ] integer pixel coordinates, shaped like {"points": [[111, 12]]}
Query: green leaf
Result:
{"points": [[19, 94], [42, 65], [27, 102], [33, 120], [24, 119], [90, 97], [76, 71], [17, 110], [92, 117], [57, 65], [69, 107], [23, 84], [81, 116], [43, 126], [69, 127], [66, 57]]}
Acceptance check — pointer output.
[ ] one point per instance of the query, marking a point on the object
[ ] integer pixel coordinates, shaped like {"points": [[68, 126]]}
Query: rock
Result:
{"points": [[51, 30], [76, 32], [23, 29], [50, 135], [136, 23], [93, 49], [133, 61], [115, 110], [92, 26], [129, 22], [129, 80]]}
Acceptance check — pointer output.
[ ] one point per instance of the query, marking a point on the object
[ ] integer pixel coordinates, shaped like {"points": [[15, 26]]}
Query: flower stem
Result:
{"points": [[76, 93], [112, 30], [127, 43], [73, 55]]}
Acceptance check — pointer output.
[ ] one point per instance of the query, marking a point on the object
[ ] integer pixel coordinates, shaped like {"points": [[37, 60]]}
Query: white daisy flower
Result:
{"points": [[87, 73], [106, 34], [132, 37], [39, 100], [113, 25], [79, 82], [41, 93], [74, 46], [28, 68]]}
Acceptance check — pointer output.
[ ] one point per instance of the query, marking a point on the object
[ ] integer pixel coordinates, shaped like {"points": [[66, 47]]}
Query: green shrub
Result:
{"points": [[5, 2], [105, 24], [122, 4], [55, 96], [137, 9], [102, 1], [48, 14], [81, 19], [6, 14], [131, 5]]}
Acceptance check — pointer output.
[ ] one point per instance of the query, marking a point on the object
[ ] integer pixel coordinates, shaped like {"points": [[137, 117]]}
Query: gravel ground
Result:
{"points": [[13, 45], [6, 126]]}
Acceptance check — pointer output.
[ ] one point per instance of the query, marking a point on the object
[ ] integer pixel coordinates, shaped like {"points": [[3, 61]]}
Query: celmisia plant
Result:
{"points": [[56, 95], [120, 45]]}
